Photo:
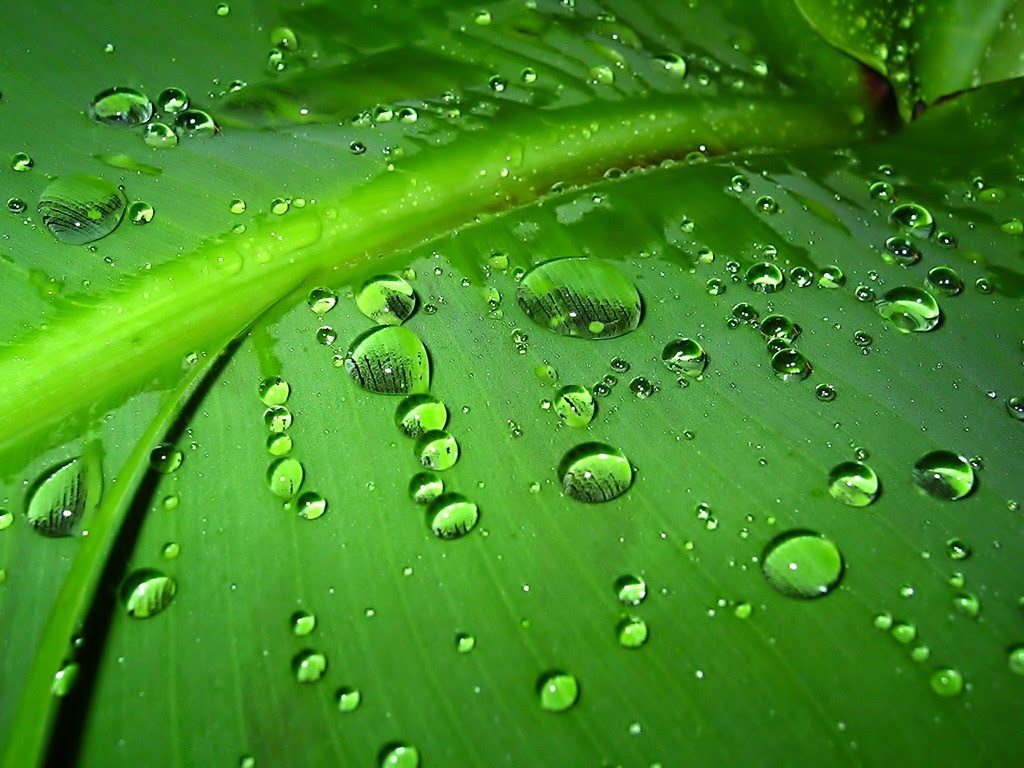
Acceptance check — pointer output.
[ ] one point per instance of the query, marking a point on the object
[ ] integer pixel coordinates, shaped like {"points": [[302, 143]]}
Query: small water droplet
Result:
{"points": [[195, 123], [900, 250], [165, 458], [632, 632], [831, 277], [825, 392], [172, 100], [140, 212], [61, 496], [944, 475], [575, 406], [310, 505], [947, 682], [1015, 659], [673, 63], [801, 276], [397, 755], [765, 277], [285, 477], [160, 136], [6, 519], [641, 387], [302, 623], [766, 204], [424, 487], [780, 327], [791, 365], [685, 357], [146, 592], [64, 679], [464, 642], [957, 549], [22, 162], [915, 218], [437, 450]]}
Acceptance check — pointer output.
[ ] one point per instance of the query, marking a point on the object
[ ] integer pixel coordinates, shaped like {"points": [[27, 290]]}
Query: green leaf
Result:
{"points": [[592, 547], [926, 50]]}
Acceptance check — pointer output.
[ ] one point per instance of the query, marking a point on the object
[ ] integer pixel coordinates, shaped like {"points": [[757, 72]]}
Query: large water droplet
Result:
{"points": [[309, 666], [944, 475], [399, 756], [945, 280], [765, 277], [631, 590], [947, 682], [580, 297], [81, 208], [791, 365], [685, 357], [452, 515], [386, 299], [915, 218], [557, 691], [160, 136], [165, 458], [909, 309], [595, 472], [437, 450], [285, 477], [121, 106], [147, 592], [632, 632], [302, 623], [172, 100], [419, 414], [390, 360], [62, 495], [853, 483], [348, 699], [424, 487], [802, 564]]}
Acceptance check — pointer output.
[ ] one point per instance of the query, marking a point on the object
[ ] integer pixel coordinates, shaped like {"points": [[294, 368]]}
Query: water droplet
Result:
{"points": [[165, 458], [915, 218], [302, 623], [631, 590], [802, 564], [641, 387], [900, 250], [557, 691], [22, 162], [223, 9], [399, 756], [984, 285], [957, 549], [780, 327], [801, 276], [121, 106], [274, 391], [673, 63], [825, 392], [6, 519], [140, 212], [325, 335], [1012, 227], [909, 309], [309, 666], [968, 604], [285, 477], [61, 497], [171, 101], [386, 299], [64, 680], [81, 208], [944, 475], [575, 406], [464, 642], [903, 633], [311, 505], [766, 204], [831, 277], [279, 206], [791, 365], [765, 277], [632, 632], [715, 287], [170, 550], [160, 136], [580, 297], [348, 699], [853, 483], [685, 357], [419, 414], [389, 360], [437, 450], [947, 682], [945, 280], [452, 515], [739, 183], [195, 123], [357, 148], [424, 487], [146, 592], [16, 205], [1015, 407], [595, 472], [1015, 659], [882, 190]]}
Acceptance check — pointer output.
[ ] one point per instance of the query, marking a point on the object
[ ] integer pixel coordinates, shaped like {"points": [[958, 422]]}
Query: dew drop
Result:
{"points": [[631, 590], [274, 391], [780, 327], [396, 755], [146, 592], [464, 642], [419, 414], [900, 250], [945, 280], [802, 564], [909, 309], [831, 277], [632, 632], [22, 162], [171, 101], [285, 477], [685, 357], [160, 136], [765, 277], [1015, 407], [595, 472], [310, 505], [302, 623], [61, 496], [575, 406], [791, 365], [121, 106], [165, 458], [437, 450], [424, 487], [308, 666], [1015, 659], [452, 516], [853, 483], [581, 297], [557, 691], [825, 392], [348, 699], [81, 208], [389, 360], [386, 299], [915, 218], [195, 123], [944, 475], [947, 682], [140, 212]]}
